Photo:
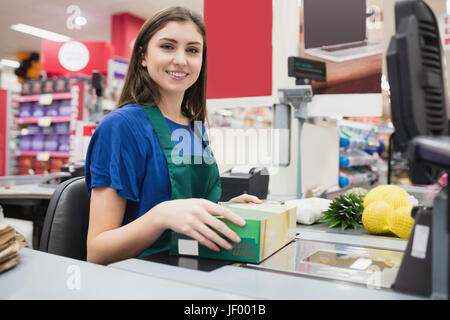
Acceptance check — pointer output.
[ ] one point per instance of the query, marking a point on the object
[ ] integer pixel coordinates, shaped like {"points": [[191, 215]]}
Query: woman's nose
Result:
{"points": [[180, 57]]}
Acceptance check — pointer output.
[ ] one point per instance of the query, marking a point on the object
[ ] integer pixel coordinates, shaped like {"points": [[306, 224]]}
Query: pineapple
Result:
{"points": [[358, 190], [345, 210]]}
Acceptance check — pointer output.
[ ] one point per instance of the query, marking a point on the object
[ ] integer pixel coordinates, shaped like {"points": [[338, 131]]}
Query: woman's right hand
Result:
{"points": [[194, 218]]}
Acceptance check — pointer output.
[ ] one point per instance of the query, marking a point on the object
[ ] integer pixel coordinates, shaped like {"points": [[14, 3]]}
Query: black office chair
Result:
{"points": [[67, 220]]}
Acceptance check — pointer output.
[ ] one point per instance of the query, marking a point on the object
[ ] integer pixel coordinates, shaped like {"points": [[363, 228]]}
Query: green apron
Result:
{"points": [[191, 176]]}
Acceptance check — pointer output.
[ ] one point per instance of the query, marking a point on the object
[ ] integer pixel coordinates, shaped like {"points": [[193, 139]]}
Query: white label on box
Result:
{"points": [[44, 122], [45, 99], [188, 247], [43, 156], [361, 264], [420, 241]]}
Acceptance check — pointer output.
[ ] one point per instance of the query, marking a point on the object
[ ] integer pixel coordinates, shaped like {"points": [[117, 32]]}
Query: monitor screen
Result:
{"points": [[332, 22]]}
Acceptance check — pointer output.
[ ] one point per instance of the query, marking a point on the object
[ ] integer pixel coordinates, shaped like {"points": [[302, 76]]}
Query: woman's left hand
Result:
{"points": [[246, 198]]}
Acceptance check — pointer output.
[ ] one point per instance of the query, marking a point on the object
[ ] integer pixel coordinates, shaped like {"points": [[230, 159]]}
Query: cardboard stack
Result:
{"points": [[10, 244]]}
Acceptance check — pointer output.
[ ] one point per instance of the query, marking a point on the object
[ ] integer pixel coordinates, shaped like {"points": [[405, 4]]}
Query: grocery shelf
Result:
{"points": [[53, 154], [37, 97], [38, 119]]}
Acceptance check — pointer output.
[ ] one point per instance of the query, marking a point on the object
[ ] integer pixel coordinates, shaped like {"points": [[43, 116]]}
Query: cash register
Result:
{"points": [[244, 179]]}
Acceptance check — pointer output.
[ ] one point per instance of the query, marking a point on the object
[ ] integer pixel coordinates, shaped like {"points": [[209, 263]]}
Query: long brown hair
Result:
{"points": [[140, 88]]}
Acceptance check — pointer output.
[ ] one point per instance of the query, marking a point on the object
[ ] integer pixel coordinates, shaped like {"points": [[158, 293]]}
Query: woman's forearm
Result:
{"points": [[125, 242]]}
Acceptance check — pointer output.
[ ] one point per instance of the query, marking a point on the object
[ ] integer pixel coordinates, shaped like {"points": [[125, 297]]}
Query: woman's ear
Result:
{"points": [[143, 61]]}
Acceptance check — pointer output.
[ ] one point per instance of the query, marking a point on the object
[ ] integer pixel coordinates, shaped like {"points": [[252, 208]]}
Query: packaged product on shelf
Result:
{"points": [[41, 167], [48, 130], [356, 176], [36, 86], [25, 162], [346, 140], [65, 107], [53, 109], [64, 143], [62, 128], [38, 111], [25, 143], [56, 164], [34, 129], [358, 139], [25, 165], [26, 87], [372, 141], [25, 110], [37, 142], [59, 85], [51, 142], [355, 157], [48, 86]]}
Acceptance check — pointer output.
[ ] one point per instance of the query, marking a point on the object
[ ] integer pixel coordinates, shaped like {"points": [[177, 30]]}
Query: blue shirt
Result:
{"points": [[124, 154]]}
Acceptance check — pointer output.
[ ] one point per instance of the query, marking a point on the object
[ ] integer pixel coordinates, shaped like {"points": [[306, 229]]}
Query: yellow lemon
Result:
{"points": [[375, 217], [401, 223], [397, 199], [394, 195]]}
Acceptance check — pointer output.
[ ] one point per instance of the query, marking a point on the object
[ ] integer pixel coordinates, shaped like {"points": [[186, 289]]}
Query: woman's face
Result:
{"points": [[174, 57]]}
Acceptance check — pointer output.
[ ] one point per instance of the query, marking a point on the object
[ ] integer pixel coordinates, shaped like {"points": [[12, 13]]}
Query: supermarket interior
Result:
{"points": [[327, 123]]}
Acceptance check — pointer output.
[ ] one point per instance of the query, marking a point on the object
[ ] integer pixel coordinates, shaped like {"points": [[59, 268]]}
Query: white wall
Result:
{"points": [[285, 43], [8, 80]]}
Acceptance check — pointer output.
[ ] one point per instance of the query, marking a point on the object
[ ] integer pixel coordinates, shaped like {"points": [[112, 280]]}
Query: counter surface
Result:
{"points": [[278, 277], [40, 275]]}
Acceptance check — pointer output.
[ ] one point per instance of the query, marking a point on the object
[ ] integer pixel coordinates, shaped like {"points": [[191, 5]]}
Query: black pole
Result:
{"points": [[389, 172]]}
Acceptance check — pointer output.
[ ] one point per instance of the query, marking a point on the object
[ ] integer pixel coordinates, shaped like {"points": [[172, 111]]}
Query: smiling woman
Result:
{"points": [[174, 61], [175, 34], [139, 192]]}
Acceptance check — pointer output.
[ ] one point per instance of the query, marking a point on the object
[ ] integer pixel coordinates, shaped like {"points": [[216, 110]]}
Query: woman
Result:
{"points": [[139, 189]]}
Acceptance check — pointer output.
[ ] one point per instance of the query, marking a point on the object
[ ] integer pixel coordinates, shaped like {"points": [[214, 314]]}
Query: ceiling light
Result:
{"points": [[80, 20], [39, 32], [10, 63]]}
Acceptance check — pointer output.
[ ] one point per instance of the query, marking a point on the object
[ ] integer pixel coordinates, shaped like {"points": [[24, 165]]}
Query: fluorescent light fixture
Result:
{"points": [[10, 63], [38, 32]]}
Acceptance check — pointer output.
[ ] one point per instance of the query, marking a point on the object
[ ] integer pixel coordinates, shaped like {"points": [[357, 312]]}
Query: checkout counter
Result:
{"points": [[316, 266], [320, 264], [283, 276]]}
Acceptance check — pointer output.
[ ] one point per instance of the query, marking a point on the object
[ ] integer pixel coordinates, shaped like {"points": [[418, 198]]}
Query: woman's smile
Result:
{"points": [[177, 75]]}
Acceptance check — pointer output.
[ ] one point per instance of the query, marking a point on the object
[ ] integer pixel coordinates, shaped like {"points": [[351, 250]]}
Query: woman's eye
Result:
{"points": [[193, 50], [166, 46]]}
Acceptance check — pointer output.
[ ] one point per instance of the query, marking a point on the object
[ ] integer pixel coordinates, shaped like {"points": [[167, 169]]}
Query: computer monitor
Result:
{"points": [[418, 87], [331, 22], [335, 30]]}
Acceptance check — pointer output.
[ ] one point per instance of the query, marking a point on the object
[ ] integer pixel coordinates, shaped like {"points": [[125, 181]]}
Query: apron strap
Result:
{"points": [[162, 130]]}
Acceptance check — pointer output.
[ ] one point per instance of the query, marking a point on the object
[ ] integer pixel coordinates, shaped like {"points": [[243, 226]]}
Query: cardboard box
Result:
{"points": [[268, 228]]}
